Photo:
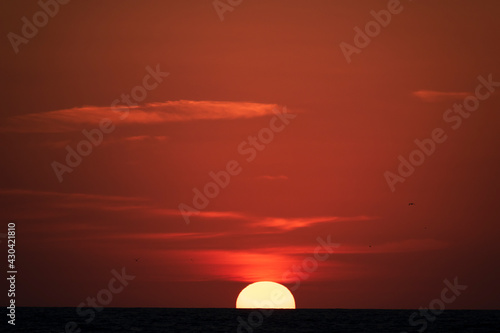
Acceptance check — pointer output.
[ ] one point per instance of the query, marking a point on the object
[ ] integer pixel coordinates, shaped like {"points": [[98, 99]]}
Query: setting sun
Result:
{"points": [[250, 166], [265, 295]]}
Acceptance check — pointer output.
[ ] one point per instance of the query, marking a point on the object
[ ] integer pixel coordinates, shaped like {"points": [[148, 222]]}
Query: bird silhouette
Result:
{"points": [[411, 204]]}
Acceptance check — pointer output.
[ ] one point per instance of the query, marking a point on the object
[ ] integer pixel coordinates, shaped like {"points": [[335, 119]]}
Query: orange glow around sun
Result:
{"points": [[265, 295]]}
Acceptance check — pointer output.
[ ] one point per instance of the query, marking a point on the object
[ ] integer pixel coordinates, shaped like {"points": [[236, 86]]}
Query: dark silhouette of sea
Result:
{"points": [[34, 320]]}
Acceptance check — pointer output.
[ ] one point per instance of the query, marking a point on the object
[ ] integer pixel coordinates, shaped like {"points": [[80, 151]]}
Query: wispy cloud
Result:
{"points": [[397, 246], [139, 138], [287, 224], [166, 236], [50, 201], [75, 119], [268, 177], [109, 208], [40, 204], [273, 224], [201, 214], [431, 96]]}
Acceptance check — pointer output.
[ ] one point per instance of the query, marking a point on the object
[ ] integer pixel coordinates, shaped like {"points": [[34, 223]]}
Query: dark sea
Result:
{"points": [[144, 320]]}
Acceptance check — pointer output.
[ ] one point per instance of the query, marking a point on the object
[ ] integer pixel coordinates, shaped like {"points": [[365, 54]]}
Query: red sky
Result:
{"points": [[321, 175]]}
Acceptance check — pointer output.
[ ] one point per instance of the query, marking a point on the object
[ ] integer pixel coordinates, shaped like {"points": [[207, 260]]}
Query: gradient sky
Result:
{"points": [[322, 175]]}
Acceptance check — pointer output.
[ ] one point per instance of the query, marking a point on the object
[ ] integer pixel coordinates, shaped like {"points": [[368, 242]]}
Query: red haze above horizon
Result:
{"points": [[296, 137]]}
